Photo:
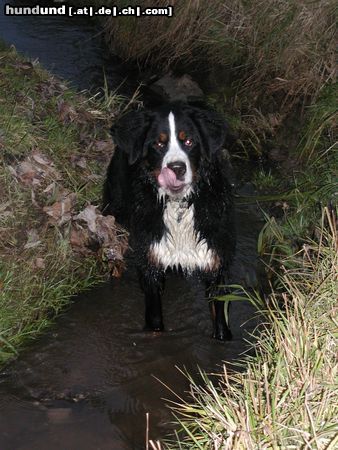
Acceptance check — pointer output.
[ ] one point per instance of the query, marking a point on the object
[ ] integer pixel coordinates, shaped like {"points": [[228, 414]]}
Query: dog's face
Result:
{"points": [[171, 143]]}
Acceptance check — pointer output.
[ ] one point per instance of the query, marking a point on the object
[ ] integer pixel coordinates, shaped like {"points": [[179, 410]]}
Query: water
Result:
{"points": [[89, 381], [70, 47]]}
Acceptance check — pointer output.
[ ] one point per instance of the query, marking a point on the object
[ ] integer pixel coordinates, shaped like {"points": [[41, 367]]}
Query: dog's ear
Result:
{"points": [[212, 129], [129, 133]]}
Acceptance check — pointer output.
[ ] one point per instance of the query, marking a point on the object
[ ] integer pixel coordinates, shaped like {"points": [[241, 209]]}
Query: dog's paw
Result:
{"points": [[154, 326], [222, 334]]}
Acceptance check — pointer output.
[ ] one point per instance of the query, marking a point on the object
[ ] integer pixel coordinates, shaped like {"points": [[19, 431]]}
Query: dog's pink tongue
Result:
{"points": [[167, 179]]}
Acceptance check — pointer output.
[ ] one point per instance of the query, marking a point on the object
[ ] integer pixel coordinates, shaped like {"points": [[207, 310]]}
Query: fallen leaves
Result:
{"points": [[50, 88], [67, 112], [35, 169], [61, 211], [78, 161], [23, 66], [39, 263], [95, 234], [33, 239], [88, 231], [89, 216]]}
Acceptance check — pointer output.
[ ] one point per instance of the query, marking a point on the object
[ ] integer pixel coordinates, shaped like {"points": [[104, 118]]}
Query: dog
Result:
{"points": [[167, 184]]}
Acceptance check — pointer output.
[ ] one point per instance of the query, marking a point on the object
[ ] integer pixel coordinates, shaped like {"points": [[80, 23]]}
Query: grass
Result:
{"points": [[269, 60], [54, 148], [287, 396]]}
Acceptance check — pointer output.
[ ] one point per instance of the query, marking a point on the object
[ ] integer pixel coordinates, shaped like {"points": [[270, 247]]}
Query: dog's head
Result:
{"points": [[172, 143]]}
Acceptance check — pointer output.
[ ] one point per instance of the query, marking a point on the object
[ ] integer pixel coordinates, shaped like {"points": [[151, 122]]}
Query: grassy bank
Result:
{"points": [[287, 397], [54, 148], [267, 61]]}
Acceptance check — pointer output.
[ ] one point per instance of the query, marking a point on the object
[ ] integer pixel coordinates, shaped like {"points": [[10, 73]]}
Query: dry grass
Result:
{"points": [[271, 46], [266, 61], [162, 41], [288, 395]]}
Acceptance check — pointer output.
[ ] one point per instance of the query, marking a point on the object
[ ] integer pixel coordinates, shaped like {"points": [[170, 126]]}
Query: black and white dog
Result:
{"points": [[167, 184]]}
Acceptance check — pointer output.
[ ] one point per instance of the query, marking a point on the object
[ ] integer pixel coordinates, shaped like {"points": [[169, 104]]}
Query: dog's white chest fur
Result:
{"points": [[180, 245]]}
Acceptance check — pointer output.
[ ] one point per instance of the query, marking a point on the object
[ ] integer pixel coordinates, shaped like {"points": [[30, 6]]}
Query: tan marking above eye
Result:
{"points": [[182, 135], [163, 138]]}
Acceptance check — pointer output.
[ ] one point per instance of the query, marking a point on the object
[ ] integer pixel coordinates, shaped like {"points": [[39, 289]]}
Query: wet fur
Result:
{"points": [[131, 194]]}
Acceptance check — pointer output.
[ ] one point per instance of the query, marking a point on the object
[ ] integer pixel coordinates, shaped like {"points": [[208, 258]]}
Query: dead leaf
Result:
{"points": [[67, 113], [35, 170], [104, 146], [84, 116], [39, 263], [28, 173], [23, 66], [61, 211], [79, 239], [95, 234], [41, 159], [50, 188], [79, 161], [33, 239], [88, 215], [49, 88], [117, 270], [33, 197]]}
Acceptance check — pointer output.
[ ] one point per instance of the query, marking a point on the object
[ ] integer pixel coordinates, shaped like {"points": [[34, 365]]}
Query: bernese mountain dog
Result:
{"points": [[167, 184]]}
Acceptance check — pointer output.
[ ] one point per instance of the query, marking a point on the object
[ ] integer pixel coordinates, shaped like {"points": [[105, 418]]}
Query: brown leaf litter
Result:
{"points": [[68, 113], [35, 169], [89, 232], [61, 211], [92, 233]]}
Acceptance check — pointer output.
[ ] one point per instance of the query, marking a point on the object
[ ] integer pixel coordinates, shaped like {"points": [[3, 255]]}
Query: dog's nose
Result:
{"points": [[179, 167]]}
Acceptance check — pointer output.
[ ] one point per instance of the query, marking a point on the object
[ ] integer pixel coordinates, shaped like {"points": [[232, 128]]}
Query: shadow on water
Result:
{"points": [[88, 382]]}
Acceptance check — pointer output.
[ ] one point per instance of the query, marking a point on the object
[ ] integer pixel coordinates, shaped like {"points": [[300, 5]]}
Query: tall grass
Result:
{"points": [[268, 62], [271, 45], [288, 395]]}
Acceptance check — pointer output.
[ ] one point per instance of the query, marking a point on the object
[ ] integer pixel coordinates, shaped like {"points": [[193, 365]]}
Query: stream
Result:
{"points": [[88, 382]]}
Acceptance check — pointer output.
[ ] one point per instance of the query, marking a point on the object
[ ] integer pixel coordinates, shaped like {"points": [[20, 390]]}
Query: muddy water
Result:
{"points": [[89, 381]]}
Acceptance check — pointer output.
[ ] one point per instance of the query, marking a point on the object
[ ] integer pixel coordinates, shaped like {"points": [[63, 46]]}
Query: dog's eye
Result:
{"points": [[188, 142], [159, 144]]}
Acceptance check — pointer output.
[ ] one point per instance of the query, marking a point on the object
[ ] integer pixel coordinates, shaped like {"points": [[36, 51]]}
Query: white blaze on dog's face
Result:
{"points": [[176, 172]]}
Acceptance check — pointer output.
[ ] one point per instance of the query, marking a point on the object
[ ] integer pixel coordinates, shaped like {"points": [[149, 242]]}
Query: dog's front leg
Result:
{"points": [[218, 308], [152, 283]]}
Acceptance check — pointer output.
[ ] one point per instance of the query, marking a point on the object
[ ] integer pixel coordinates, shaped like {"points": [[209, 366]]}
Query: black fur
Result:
{"points": [[131, 195]]}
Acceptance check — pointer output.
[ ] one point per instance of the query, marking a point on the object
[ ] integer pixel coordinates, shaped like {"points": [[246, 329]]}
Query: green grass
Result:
{"points": [[287, 396], [40, 117]]}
